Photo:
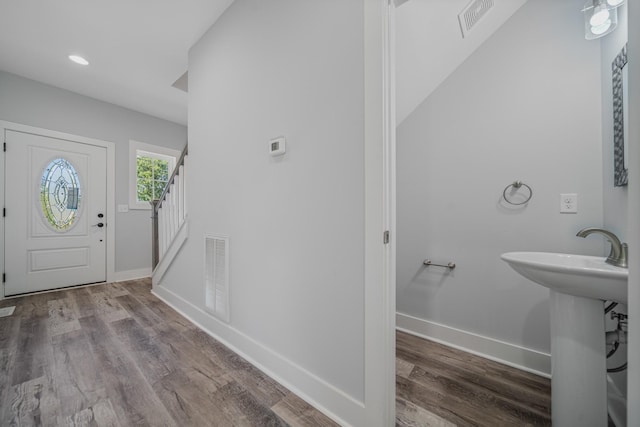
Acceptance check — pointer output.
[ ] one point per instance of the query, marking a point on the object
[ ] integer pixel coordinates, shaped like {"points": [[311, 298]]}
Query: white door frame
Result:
{"points": [[380, 288], [111, 169], [633, 349]]}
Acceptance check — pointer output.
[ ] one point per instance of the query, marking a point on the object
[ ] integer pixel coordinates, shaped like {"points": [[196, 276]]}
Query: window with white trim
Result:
{"points": [[150, 167]]}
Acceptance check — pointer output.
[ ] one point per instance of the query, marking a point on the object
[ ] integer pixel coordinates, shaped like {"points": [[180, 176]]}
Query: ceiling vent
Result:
{"points": [[472, 14]]}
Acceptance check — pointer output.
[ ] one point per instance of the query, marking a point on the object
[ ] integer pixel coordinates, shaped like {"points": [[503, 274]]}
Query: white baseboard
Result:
{"points": [[121, 276], [346, 411], [526, 359]]}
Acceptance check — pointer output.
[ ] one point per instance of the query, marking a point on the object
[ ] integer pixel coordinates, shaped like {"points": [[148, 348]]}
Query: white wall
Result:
{"points": [[418, 24], [36, 104], [296, 224], [525, 106]]}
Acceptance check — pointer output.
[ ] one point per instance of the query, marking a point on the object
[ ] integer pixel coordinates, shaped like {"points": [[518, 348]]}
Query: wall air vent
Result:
{"points": [[216, 276], [472, 14]]}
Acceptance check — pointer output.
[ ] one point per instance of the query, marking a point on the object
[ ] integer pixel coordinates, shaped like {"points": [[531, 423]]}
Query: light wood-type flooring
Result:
{"points": [[115, 355], [440, 386]]}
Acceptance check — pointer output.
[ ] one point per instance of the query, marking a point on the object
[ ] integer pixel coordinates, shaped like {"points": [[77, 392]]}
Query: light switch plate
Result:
{"points": [[123, 208]]}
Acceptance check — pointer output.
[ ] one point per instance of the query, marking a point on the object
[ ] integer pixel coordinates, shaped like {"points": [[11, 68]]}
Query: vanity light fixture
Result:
{"points": [[78, 59], [600, 17]]}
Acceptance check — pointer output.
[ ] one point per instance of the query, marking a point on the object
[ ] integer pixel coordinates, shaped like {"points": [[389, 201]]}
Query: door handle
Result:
{"points": [[100, 225]]}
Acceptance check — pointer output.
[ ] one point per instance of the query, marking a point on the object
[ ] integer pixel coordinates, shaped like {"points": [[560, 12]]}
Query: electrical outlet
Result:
{"points": [[569, 203]]}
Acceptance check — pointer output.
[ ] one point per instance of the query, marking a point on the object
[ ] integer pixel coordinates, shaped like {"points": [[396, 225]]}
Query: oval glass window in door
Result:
{"points": [[60, 194]]}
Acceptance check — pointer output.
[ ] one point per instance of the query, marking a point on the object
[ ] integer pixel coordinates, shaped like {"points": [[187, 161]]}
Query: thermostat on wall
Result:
{"points": [[277, 146]]}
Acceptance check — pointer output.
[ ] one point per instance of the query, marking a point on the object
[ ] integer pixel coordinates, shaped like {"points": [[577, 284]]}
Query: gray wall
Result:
{"points": [[296, 223], [525, 106], [32, 103]]}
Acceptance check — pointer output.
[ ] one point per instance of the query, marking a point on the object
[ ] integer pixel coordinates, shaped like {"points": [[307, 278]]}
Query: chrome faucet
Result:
{"points": [[619, 251]]}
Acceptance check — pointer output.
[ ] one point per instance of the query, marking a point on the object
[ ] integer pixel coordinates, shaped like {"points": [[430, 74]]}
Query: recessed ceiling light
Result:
{"points": [[78, 60]]}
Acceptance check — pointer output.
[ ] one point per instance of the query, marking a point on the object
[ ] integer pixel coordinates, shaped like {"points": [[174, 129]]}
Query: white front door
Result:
{"points": [[55, 218]]}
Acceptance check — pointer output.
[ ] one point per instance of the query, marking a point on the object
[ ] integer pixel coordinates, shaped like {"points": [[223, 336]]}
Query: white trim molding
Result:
{"points": [[633, 215], [294, 377], [379, 212], [153, 151], [526, 359], [172, 251]]}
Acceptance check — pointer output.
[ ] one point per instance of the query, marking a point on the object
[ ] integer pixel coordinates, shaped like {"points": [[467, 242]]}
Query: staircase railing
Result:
{"points": [[169, 211]]}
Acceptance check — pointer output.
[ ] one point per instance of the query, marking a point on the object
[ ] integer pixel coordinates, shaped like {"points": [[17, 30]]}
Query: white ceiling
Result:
{"points": [[429, 45], [136, 49]]}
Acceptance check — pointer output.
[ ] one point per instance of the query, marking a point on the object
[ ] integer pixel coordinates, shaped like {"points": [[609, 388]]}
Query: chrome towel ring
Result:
{"points": [[516, 185]]}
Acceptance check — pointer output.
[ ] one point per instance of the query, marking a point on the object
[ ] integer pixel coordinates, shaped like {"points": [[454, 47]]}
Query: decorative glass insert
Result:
{"points": [[152, 176], [60, 194]]}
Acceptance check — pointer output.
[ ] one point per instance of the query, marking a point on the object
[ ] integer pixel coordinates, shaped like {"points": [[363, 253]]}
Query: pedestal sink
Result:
{"points": [[579, 275], [579, 284]]}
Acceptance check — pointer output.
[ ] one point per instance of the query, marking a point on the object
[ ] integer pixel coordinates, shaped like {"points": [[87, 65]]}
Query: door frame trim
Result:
{"points": [[379, 157], [111, 181]]}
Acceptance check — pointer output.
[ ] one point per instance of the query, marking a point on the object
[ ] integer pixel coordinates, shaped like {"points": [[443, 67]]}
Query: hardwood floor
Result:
{"points": [[115, 355], [441, 386]]}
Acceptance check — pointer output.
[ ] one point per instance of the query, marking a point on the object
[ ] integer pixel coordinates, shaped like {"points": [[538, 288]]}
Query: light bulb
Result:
{"points": [[600, 16], [602, 28]]}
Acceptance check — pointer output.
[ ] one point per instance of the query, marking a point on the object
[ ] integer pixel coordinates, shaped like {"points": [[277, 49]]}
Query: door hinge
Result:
{"points": [[4, 212], [385, 237], [4, 147], [4, 277]]}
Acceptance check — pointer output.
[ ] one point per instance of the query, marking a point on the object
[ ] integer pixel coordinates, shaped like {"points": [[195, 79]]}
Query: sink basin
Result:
{"points": [[578, 275]]}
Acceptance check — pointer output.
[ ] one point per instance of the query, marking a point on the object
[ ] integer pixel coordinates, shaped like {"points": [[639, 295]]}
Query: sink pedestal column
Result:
{"points": [[578, 362]]}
